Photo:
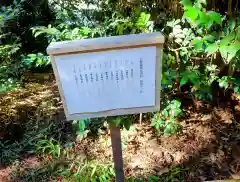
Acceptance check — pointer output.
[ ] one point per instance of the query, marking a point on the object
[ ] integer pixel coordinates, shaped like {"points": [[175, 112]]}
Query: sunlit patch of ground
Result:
{"points": [[208, 147]]}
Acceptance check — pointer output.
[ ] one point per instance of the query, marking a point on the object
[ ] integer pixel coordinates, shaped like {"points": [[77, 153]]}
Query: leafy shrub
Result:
{"points": [[35, 61], [166, 119], [49, 146], [200, 46], [81, 127], [111, 27], [93, 171]]}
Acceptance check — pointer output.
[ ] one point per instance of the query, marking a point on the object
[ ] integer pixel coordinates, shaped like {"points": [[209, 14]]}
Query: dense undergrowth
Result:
{"points": [[200, 65]]}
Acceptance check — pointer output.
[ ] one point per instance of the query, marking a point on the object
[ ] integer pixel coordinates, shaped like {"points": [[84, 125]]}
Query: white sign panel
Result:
{"points": [[101, 81], [108, 76]]}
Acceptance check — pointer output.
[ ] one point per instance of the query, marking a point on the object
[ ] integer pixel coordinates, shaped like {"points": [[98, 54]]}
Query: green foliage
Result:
{"points": [[165, 121], [193, 48], [149, 179], [114, 26], [227, 82], [8, 84], [16, 40], [35, 61], [80, 127], [62, 32], [93, 171], [119, 121], [51, 147], [175, 174], [12, 151], [207, 24]]}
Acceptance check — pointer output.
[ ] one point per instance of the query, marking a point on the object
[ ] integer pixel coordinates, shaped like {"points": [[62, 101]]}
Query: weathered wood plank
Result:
{"points": [[105, 43]]}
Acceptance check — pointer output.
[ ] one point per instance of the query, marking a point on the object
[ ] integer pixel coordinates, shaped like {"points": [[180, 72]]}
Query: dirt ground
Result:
{"points": [[208, 148]]}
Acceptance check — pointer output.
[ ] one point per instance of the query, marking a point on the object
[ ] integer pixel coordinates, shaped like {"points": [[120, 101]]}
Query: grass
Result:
{"points": [[49, 138], [59, 160]]}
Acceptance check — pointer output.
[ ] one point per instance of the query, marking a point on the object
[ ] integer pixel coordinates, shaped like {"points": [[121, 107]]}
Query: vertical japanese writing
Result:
{"points": [[75, 75], [96, 76], [81, 78], [141, 75], [112, 76], [117, 77], [86, 78], [122, 76], [127, 74], [132, 73], [106, 74], [91, 77]]}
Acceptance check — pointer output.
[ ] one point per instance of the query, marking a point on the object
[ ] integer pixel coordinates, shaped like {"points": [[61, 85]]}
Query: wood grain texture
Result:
{"points": [[105, 43]]}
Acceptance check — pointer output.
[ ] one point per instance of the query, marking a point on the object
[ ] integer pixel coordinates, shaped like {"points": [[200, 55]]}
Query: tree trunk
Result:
{"points": [[230, 8]]}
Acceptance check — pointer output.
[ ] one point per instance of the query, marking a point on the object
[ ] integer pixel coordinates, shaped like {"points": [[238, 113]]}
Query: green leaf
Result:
{"points": [[85, 30], [186, 2], [183, 81], [198, 44], [211, 49], [223, 84], [191, 13], [94, 170], [115, 121], [204, 19], [223, 51], [238, 33], [200, 3], [193, 77], [209, 38], [38, 33], [204, 2], [232, 51], [215, 16], [127, 124], [232, 24], [227, 40], [143, 19], [82, 126], [237, 90]]}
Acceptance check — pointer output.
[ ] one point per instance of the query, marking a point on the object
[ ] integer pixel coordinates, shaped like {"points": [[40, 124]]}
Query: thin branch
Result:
{"points": [[198, 58]]}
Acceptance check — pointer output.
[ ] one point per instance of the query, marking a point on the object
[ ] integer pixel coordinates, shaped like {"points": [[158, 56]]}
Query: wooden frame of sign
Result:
{"points": [[124, 42]]}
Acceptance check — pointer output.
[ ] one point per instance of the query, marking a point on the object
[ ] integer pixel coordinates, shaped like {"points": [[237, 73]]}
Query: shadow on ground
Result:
{"points": [[207, 149]]}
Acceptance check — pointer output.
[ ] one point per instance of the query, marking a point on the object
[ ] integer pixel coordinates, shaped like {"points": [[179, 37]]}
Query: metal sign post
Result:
{"points": [[109, 76]]}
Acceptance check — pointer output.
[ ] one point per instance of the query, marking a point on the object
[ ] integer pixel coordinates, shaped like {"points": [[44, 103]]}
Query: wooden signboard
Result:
{"points": [[107, 77]]}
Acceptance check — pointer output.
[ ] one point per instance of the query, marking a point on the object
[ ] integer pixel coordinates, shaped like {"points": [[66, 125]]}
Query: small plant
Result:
{"points": [[80, 127], [92, 171], [49, 146], [124, 121], [165, 120], [175, 174], [35, 61], [228, 82], [9, 84]]}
